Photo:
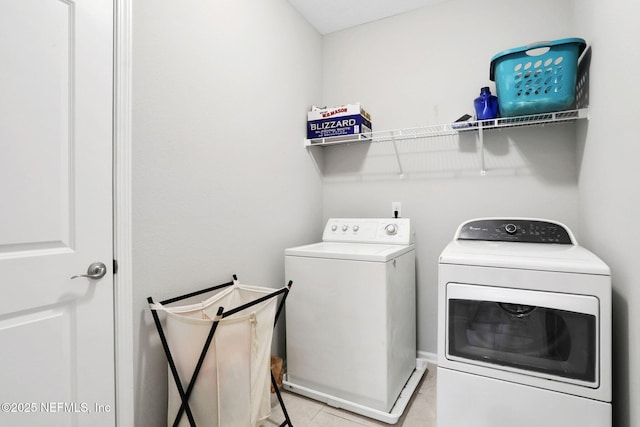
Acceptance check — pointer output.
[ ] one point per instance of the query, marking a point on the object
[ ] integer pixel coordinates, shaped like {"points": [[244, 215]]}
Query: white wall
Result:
{"points": [[608, 181], [221, 182], [425, 68]]}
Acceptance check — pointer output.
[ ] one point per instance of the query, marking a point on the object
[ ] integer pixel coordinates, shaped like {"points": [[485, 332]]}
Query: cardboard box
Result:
{"points": [[277, 371], [345, 121]]}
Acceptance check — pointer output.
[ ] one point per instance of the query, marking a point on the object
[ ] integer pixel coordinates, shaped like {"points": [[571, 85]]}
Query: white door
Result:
{"points": [[56, 333]]}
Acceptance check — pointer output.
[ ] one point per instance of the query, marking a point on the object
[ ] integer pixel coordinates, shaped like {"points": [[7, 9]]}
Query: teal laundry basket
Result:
{"points": [[537, 78]]}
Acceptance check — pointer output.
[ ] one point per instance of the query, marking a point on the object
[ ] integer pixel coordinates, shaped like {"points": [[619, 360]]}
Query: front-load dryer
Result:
{"points": [[524, 328], [351, 321]]}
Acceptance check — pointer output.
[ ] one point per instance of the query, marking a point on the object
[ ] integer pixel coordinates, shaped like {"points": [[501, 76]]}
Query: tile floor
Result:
{"points": [[304, 412]]}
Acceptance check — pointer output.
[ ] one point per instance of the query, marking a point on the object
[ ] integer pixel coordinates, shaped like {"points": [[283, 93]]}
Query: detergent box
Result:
{"points": [[344, 121]]}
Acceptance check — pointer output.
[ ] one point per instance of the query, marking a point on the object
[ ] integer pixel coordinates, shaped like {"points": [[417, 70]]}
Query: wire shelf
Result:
{"points": [[453, 128]]}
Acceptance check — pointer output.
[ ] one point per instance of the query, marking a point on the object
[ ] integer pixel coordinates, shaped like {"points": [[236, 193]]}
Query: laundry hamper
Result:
{"points": [[537, 78], [234, 377]]}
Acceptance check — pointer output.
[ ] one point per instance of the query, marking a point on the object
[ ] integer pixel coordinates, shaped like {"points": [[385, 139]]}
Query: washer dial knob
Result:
{"points": [[391, 229], [356, 228], [345, 227], [334, 227], [510, 228]]}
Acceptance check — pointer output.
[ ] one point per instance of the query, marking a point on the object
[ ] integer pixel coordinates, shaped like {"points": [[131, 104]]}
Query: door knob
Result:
{"points": [[97, 270]]}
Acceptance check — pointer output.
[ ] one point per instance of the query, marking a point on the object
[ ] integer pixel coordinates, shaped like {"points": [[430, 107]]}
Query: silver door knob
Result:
{"points": [[97, 270]]}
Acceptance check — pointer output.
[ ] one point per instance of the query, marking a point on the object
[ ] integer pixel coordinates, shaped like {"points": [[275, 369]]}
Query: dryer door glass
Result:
{"points": [[545, 340]]}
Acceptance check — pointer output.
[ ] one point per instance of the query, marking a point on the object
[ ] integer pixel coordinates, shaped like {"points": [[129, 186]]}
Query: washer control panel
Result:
{"points": [[516, 230], [369, 230]]}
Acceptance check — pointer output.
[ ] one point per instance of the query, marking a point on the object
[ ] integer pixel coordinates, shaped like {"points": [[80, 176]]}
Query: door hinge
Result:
{"points": [[115, 266]]}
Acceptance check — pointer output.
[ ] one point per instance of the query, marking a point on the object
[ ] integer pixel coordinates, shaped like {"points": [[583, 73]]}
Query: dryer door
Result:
{"points": [[545, 334]]}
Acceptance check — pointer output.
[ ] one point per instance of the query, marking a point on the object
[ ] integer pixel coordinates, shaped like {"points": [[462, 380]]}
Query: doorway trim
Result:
{"points": [[122, 214]]}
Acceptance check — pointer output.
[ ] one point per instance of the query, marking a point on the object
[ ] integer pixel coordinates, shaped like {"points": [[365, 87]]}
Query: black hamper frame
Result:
{"points": [[221, 314]]}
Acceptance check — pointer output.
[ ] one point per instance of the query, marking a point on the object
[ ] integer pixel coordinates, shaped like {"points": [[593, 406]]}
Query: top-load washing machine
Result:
{"points": [[524, 328], [351, 322]]}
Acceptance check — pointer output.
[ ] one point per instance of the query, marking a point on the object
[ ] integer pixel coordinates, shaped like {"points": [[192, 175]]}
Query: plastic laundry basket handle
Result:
{"points": [[541, 48], [535, 45]]}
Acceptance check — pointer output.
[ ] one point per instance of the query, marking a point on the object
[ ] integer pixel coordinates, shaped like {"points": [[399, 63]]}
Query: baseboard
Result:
{"points": [[431, 358]]}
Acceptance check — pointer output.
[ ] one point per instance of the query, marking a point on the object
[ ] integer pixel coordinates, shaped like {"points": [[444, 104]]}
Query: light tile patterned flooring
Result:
{"points": [[304, 412]]}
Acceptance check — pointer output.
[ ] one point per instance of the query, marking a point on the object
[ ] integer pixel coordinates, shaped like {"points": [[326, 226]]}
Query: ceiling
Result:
{"points": [[328, 16]]}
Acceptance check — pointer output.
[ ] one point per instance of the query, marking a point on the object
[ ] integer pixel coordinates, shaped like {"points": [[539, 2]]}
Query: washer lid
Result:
{"points": [[350, 251], [528, 256]]}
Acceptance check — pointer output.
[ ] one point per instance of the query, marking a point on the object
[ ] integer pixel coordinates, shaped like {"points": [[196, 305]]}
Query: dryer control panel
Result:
{"points": [[515, 230], [369, 230]]}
